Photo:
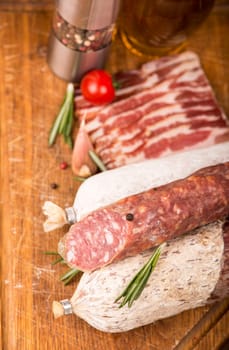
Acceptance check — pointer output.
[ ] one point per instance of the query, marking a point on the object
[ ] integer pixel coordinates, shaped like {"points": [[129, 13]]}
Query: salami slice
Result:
{"points": [[144, 220]]}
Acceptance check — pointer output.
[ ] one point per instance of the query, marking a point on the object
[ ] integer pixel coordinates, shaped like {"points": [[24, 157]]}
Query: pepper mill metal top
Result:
{"points": [[81, 36]]}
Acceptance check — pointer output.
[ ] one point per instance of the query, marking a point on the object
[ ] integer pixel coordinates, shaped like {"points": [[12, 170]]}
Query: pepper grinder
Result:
{"points": [[80, 37]]}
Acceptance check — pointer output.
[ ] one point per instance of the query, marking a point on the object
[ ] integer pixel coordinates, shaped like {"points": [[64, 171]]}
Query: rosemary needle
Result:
{"points": [[97, 160], [80, 178], [51, 253], [138, 283], [64, 120], [59, 260], [67, 276]]}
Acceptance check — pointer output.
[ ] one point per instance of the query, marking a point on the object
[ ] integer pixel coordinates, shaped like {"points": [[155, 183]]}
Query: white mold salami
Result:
{"points": [[112, 185], [107, 187], [187, 275]]}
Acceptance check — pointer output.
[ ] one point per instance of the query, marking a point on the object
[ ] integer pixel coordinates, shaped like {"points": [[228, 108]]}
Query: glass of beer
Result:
{"points": [[159, 27]]}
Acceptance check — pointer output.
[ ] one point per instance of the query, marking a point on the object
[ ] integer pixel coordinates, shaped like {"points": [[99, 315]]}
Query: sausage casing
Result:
{"points": [[193, 270], [141, 221]]}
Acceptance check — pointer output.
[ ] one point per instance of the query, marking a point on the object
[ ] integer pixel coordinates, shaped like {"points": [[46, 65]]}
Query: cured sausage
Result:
{"points": [[110, 186], [144, 220], [193, 270]]}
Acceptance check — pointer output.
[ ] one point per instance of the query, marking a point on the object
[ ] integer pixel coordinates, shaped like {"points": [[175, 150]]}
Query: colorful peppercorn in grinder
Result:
{"points": [[80, 37]]}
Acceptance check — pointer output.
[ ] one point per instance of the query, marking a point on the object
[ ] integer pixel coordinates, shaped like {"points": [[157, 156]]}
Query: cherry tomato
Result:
{"points": [[96, 87]]}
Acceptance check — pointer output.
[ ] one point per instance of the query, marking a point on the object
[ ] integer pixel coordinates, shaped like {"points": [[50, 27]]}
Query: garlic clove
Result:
{"points": [[82, 164]]}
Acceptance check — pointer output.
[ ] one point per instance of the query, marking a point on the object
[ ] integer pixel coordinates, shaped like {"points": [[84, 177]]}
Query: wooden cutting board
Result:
{"points": [[30, 97]]}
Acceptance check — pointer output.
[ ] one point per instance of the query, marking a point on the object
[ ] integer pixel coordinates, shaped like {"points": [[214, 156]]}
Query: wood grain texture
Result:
{"points": [[30, 96]]}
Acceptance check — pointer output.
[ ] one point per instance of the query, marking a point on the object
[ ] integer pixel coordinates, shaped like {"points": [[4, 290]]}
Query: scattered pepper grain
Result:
{"points": [[129, 217], [53, 185]]}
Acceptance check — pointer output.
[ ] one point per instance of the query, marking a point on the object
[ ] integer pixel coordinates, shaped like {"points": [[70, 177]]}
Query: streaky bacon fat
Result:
{"points": [[164, 107]]}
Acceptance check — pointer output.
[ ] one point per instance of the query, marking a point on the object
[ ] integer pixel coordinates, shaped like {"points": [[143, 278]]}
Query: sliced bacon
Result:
{"points": [[166, 106]]}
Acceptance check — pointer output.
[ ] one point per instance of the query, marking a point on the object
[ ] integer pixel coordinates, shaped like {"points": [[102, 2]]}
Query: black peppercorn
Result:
{"points": [[53, 185], [129, 217]]}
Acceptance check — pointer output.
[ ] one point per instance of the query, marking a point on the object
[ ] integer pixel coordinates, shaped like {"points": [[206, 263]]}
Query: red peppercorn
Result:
{"points": [[63, 165]]}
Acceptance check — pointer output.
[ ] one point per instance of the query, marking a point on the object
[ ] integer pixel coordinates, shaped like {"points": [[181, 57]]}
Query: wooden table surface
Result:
{"points": [[30, 96]]}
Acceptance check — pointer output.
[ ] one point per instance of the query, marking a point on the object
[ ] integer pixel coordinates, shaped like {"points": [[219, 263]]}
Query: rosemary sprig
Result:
{"points": [[50, 252], [57, 261], [138, 283], [67, 277], [80, 178], [97, 160], [64, 120]]}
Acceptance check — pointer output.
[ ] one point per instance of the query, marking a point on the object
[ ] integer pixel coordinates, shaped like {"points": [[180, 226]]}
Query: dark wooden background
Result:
{"points": [[30, 96]]}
